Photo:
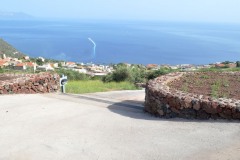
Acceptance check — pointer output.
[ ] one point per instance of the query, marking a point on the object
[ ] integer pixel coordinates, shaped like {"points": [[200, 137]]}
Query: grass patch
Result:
{"points": [[92, 86], [214, 90], [219, 69], [185, 87], [205, 77]]}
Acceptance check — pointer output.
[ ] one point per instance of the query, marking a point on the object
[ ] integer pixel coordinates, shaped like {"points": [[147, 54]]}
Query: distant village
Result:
{"points": [[40, 64], [192, 67]]}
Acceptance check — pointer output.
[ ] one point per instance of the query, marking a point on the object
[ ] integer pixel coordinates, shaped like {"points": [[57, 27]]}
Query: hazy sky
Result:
{"points": [[173, 10]]}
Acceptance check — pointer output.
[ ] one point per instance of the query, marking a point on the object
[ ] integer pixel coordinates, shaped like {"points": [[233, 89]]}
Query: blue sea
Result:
{"points": [[139, 42]]}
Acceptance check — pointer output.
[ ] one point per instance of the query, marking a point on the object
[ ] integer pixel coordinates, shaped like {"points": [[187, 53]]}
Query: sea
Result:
{"points": [[136, 42]]}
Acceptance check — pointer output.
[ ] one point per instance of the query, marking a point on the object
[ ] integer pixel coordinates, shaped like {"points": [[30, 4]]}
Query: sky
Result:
{"points": [[162, 10]]}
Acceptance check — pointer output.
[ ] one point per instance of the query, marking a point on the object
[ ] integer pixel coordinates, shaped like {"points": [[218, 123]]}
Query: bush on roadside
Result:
{"points": [[122, 73], [133, 74], [157, 73], [107, 78], [96, 78], [73, 75]]}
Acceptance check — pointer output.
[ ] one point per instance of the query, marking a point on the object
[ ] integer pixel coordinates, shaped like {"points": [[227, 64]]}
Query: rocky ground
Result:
{"points": [[215, 84], [4, 77]]}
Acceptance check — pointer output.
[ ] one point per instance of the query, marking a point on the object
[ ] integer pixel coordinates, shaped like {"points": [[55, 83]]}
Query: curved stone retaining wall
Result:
{"points": [[165, 102], [28, 83]]}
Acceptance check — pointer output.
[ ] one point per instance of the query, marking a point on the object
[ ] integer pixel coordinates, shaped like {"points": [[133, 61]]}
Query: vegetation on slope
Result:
{"points": [[9, 50]]}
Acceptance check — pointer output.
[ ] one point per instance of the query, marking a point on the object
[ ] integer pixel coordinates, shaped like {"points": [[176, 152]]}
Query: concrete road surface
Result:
{"points": [[106, 126]]}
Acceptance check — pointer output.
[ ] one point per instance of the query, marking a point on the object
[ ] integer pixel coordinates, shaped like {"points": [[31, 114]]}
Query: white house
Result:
{"points": [[45, 67]]}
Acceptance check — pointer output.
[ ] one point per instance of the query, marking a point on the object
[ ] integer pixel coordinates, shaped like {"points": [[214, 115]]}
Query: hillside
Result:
{"points": [[9, 50]]}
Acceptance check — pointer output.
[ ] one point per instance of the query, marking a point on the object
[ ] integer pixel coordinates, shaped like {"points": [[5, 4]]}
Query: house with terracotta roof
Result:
{"points": [[20, 66], [232, 65], [30, 64], [24, 66], [220, 65], [225, 65], [71, 64], [152, 66], [3, 64]]}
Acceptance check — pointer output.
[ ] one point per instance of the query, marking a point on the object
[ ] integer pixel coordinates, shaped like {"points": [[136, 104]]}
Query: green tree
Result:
{"points": [[226, 62], [60, 65], [1, 70], [39, 62]]}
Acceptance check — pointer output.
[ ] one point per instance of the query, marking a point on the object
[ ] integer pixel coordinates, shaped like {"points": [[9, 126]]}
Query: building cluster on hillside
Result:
{"points": [[88, 68], [183, 67], [92, 69], [191, 67], [25, 63]]}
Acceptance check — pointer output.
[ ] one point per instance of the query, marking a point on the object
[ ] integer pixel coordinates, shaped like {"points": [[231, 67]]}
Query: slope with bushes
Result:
{"points": [[9, 50]]}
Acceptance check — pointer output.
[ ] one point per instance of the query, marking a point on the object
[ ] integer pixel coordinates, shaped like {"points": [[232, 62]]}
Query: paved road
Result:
{"points": [[105, 127]]}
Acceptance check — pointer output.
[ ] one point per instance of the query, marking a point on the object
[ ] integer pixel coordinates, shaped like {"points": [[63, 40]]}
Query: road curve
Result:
{"points": [[106, 126]]}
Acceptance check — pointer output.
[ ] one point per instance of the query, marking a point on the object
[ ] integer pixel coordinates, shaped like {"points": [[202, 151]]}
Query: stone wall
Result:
{"points": [[28, 83], [163, 101]]}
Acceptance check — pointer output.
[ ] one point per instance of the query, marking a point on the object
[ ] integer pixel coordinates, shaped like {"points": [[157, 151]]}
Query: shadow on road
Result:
{"points": [[132, 109], [135, 109]]}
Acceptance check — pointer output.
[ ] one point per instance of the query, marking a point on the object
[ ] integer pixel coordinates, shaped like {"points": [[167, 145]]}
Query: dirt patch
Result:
{"points": [[5, 78], [214, 84]]}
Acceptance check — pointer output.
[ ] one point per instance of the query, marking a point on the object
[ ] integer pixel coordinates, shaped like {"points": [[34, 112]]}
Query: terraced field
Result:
{"points": [[214, 84]]}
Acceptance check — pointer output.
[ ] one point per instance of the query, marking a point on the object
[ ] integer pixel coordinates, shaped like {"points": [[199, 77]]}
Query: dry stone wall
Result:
{"points": [[28, 83], [163, 101]]}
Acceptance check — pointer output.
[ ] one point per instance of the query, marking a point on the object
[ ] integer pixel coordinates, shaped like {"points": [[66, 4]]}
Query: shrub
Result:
{"points": [[96, 78], [238, 63], [133, 74], [1, 70], [73, 75], [226, 62], [162, 71], [121, 74], [107, 78]]}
